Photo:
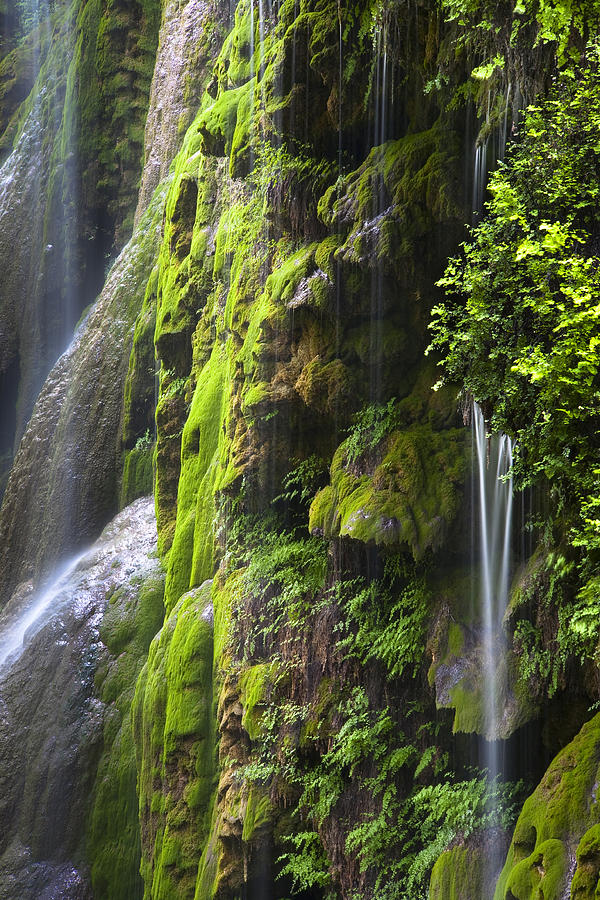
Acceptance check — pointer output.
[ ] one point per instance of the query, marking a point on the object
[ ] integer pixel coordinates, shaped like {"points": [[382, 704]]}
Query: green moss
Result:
{"points": [[587, 874], [255, 683], [412, 496], [138, 478], [226, 595], [456, 639], [458, 875], [325, 387], [408, 178], [323, 710], [555, 819], [175, 741], [138, 413], [258, 814], [218, 121], [191, 559], [131, 620]]}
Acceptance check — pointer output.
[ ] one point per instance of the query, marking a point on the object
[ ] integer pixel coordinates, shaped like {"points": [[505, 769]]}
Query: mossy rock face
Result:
{"points": [[190, 38], [17, 77], [137, 475], [134, 615], [175, 746], [456, 644], [411, 496], [402, 191], [464, 871], [276, 321], [554, 849], [140, 383], [275, 305]]}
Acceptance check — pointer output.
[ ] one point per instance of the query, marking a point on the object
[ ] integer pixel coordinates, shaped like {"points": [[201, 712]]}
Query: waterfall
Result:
{"points": [[479, 179], [380, 102], [493, 462], [39, 300]]}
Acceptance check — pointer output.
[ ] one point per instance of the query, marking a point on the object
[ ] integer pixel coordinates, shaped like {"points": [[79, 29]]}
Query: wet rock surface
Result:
{"points": [[65, 472], [188, 42], [52, 722]]}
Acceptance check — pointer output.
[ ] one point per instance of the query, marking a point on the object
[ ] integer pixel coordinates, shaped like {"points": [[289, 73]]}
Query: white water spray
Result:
{"points": [[16, 624], [122, 549]]}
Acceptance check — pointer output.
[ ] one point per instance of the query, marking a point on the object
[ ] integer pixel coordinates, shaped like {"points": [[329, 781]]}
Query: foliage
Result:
{"points": [[302, 483], [520, 325], [566, 25], [413, 805], [145, 441], [371, 425], [402, 836], [422, 827], [386, 620], [174, 385], [507, 52], [284, 570], [306, 863]]}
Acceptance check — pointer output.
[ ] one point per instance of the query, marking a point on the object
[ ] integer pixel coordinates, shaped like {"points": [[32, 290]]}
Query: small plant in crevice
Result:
{"points": [[283, 573], [175, 386], [371, 425], [386, 620], [144, 442], [299, 488]]}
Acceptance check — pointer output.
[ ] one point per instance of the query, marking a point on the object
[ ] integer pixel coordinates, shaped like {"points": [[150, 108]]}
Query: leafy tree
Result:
{"points": [[520, 324]]}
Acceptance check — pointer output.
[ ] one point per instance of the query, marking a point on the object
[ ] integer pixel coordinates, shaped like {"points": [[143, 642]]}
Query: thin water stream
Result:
{"points": [[493, 531]]}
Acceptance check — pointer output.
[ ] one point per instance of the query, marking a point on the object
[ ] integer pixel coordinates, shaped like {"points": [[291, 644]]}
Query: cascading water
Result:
{"points": [[39, 299], [494, 462], [479, 179], [380, 102], [493, 530], [21, 619]]}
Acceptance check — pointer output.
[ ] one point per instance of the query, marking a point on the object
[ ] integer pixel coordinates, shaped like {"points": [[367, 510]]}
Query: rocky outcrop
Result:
{"points": [[190, 38], [92, 631], [554, 851]]}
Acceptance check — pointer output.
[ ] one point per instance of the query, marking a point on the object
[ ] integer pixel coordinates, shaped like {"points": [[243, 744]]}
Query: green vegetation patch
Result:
{"points": [[175, 747], [557, 819], [411, 497]]}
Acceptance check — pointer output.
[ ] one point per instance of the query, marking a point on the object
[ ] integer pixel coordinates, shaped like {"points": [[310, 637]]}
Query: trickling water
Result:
{"points": [[494, 462], [504, 129], [253, 81], [380, 100], [38, 303], [261, 37], [479, 179], [495, 504]]}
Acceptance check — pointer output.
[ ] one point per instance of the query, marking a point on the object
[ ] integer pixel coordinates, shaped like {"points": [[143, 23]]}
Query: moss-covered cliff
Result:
{"points": [[307, 713]]}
